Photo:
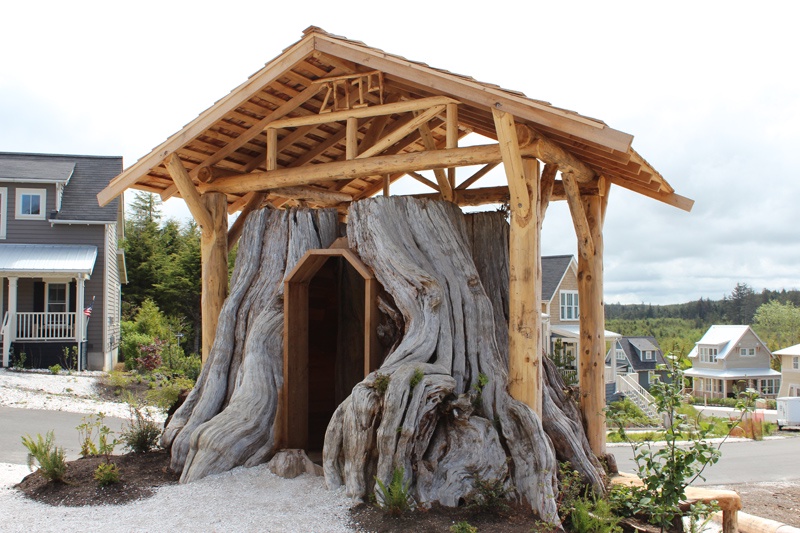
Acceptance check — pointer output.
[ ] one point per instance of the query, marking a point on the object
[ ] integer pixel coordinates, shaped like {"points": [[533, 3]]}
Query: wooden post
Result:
{"points": [[214, 254], [524, 284], [591, 358]]}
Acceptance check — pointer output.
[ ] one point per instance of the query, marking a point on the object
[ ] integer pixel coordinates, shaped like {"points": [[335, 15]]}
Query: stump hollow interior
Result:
{"points": [[330, 340]]}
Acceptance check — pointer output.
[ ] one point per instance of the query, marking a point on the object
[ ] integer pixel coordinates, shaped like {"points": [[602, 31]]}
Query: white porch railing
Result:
{"points": [[569, 376], [45, 326], [6, 346], [629, 386]]}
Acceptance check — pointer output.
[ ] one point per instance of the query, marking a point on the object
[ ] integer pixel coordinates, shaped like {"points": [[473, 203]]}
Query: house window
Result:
{"points": [[621, 355], [57, 297], [795, 363], [708, 355], [648, 355], [652, 377], [769, 386], [3, 208], [31, 204], [747, 352], [569, 305]]}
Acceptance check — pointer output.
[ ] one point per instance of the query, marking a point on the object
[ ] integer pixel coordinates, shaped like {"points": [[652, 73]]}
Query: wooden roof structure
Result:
{"points": [[327, 76]]}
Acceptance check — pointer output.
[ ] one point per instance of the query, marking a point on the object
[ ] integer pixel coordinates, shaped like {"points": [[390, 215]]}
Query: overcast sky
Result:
{"points": [[709, 90]]}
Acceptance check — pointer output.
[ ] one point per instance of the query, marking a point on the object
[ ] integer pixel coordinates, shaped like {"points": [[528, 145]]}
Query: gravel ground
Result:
{"points": [[245, 499]]}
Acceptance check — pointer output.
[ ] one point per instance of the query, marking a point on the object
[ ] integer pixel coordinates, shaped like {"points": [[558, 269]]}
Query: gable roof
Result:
{"points": [[725, 337], [230, 136], [791, 350], [632, 346], [554, 268], [83, 176]]}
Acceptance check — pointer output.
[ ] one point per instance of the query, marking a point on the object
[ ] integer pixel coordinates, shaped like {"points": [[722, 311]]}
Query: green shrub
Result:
{"points": [[394, 499], [142, 433], [463, 527], [119, 381], [490, 495], [55, 369], [165, 392], [106, 474], [49, 457], [94, 427], [628, 413], [591, 515]]}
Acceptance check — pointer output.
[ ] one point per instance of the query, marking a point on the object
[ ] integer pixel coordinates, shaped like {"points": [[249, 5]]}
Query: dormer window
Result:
{"points": [[620, 355], [708, 355], [31, 204], [648, 355]]}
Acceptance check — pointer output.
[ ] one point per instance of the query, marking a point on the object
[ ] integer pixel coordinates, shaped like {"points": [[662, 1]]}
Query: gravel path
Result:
{"points": [[245, 499]]}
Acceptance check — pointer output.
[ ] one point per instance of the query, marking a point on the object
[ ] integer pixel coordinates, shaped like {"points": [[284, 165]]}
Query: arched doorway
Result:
{"points": [[330, 341]]}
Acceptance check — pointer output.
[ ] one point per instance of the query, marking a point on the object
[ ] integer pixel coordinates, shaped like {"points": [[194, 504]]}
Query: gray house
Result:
{"points": [[60, 263], [639, 357]]}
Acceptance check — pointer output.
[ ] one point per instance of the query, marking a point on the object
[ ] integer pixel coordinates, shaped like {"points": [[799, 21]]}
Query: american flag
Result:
{"points": [[88, 310]]}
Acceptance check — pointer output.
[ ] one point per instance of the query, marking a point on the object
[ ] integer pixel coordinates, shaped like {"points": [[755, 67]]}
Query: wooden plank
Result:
{"points": [[592, 348], [399, 133], [425, 181], [189, 193], [387, 182], [214, 256], [451, 139], [312, 194], [525, 372], [512, 161], [478, 175], [378, 124], [294, 55], [347, 170], [294, 393], [673, 199], [351, 138], [272, 149], [586, 247]]}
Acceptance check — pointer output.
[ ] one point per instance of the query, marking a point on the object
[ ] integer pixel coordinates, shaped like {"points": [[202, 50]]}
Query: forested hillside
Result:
{"points": [[774, 315]]}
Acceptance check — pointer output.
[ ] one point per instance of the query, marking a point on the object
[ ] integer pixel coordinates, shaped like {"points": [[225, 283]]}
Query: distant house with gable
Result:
{"points": [[729, 359], [641, 356], [60, 261], [790, 370]]}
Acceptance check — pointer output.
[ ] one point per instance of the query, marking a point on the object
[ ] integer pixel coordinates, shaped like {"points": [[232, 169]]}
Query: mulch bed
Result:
{"points": [[140, 474]]}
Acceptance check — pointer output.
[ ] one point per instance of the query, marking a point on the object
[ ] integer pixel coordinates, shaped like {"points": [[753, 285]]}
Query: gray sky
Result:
{"points": [[710, 91]]}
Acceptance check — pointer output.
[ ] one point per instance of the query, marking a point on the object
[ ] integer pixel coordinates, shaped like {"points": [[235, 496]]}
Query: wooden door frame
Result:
{"points": [[294, 393]]}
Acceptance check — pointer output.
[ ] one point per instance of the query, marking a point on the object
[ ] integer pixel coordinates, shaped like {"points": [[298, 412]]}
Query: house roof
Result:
{"points": [[791, 350], [725, 337], [47, 259], [554, 268], [230, 138], [574, 332], [84, 176], [632, 346], [731, 373]]}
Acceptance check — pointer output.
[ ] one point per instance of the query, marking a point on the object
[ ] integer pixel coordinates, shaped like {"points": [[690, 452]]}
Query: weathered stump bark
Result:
{"points": [[228, 419], [438, 407]]}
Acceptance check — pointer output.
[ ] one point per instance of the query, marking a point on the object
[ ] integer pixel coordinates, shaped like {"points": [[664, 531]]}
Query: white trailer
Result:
{"points": [[788, 411]]}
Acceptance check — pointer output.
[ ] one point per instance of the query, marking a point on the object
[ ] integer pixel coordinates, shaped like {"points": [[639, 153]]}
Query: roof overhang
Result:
{"points": [[229, 141], [574, 332], [41, 260], [733, 373]]}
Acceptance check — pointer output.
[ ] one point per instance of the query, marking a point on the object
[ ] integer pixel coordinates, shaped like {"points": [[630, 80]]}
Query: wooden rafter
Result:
{"points": [[189, 193], [585, 243]]}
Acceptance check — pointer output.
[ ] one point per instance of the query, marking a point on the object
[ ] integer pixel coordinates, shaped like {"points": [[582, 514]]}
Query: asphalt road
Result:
{"points": [[14, 423], [741, 462]]}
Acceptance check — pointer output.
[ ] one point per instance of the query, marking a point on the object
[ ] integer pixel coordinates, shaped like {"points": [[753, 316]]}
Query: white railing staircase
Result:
{"points": [[629, 386]]}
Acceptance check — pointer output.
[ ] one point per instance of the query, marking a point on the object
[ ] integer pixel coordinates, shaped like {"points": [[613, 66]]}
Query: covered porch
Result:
{"points": [[727, 383], [42, 299]]}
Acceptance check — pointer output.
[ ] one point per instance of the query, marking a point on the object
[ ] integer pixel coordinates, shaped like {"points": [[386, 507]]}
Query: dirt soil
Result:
{"points": [[141, 474]]}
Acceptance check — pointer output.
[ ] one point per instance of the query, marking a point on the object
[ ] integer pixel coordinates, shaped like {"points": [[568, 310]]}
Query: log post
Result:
{"points": [[592, 329], [524, 300], [214, 254]]}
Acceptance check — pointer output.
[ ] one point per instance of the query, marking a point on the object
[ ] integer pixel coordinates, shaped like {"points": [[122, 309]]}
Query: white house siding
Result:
{"points": [[790, 376], [112, 299], [759, 360]]}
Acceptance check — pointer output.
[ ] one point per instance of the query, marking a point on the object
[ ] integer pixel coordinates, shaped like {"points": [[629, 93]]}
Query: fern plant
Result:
{"points": [[50, 458], [396, 498]]}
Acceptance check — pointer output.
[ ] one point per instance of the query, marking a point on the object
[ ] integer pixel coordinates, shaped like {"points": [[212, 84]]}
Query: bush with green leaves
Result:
{"points": [[667, 470], [628, 411], [106, 474], [165, 392], [395, 498], [463, 527], [490, 495], [142, 433], [91, 428], [580, 508], [49, 457], [55, 369]]}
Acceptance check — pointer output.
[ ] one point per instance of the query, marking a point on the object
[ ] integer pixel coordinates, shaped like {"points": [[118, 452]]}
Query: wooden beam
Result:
{"points": [[351, 138], [399, 133], [359, 168], [364, 112], [387, 183], [451, 140], [189, 193], [673, 199], [592, 345], [441, 177], [478, 175], [425, 181], [579, 220], [512, 161], [272, 149], [312, 194], [547, 184], [524, 287], [214, 256]]}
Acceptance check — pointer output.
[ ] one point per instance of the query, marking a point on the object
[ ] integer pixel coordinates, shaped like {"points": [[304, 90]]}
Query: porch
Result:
{"points": [[767, 386]]}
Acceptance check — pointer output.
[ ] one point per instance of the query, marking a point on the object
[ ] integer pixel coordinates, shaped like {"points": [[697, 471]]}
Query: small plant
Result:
{"points": [[142, 433], [19, 362], [394, 499], [55, 369], [118, 381], [478, 387], [165, 393], [463, 527], [105, 441], [490, 495], [416, 378], [590, 515], [69, 358], [381, 383], [49, 457], [106, 474], [150, 357]]}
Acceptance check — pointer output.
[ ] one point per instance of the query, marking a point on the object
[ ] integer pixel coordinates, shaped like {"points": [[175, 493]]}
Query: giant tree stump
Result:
{"points": [[437, 407]]}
